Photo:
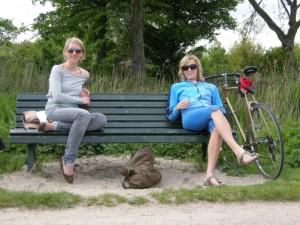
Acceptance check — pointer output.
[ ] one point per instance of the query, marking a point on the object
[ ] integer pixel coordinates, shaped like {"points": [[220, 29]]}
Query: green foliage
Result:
{"points": [[294, 158], [275, 61], [291, 137], [10, 162], [244, 53], [215, 60], [8, 31], [172, 26], [23, 66], [169, 27], [7, 114]]}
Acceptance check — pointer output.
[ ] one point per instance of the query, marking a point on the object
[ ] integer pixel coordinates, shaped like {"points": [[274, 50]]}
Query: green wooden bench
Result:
{"points": [[132, 118]]}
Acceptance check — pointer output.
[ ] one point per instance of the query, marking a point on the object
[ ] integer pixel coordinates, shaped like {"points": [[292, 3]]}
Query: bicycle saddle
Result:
{"points": [[250, 70]]}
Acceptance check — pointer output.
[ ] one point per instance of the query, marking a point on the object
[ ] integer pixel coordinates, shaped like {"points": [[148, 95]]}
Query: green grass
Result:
{"points": [[271, 191], [32, 200], [112, 200], [10, 162], [286, 188]]}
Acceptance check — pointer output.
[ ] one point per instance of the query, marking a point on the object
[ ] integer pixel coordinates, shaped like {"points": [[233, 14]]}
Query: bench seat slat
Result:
{"points": [[111, 139], [110, 131], [132, 124]]}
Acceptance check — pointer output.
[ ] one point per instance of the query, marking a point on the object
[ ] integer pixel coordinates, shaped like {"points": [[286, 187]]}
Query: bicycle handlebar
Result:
{"points": [[224, 75], [249, 70]]}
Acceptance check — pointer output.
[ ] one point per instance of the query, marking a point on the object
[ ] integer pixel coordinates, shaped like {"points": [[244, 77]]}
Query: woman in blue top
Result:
{"points": [[200, 107]]}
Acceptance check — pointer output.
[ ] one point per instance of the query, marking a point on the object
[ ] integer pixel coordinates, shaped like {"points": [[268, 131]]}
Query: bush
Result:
{"points": [[291, 137]]}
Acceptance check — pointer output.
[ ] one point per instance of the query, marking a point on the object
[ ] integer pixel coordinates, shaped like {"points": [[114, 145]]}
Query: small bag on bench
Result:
{"points": [[139, 170], [32, 119]]}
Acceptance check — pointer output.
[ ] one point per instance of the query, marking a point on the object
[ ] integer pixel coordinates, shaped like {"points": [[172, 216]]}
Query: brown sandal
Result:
{"points": [[241, 160], [207, 181]]}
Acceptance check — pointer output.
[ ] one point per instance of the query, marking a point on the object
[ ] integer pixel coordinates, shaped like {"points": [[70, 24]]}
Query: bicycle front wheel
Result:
{"points": [[267, 141]]}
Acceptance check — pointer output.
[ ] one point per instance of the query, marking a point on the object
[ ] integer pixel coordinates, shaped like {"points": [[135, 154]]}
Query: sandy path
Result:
{"points": [[188, 214], [99, 175]]}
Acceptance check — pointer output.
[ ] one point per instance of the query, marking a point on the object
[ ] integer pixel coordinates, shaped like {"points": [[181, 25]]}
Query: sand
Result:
{"points": [[100, 174]]}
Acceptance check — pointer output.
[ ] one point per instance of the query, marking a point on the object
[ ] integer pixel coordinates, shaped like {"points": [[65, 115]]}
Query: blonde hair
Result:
{"points": [[77, 41], [184, 62]]}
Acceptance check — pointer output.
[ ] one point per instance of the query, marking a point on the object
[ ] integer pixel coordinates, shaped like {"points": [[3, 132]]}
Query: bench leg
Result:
{"points": [[31, 158], [204, 151]]}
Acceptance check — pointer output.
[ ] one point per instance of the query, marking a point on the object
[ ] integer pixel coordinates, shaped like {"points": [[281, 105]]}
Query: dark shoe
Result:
{"points": [[68, 178], [42, 127], [207, 181]]}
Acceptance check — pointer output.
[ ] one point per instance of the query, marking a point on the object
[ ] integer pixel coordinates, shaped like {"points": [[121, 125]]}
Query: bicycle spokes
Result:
{"points": [[267, 141]]}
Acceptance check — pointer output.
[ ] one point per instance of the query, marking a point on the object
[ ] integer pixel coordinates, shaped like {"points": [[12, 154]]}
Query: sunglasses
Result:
{"points": [[76, 50], [192, 67]]}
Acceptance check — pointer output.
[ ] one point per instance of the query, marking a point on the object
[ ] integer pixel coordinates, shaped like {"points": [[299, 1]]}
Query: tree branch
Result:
{"points": [[272, 25], [284, 6], [289, 2]]}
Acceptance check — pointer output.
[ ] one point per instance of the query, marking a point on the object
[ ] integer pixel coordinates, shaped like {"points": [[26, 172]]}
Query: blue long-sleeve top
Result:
{"points": [[200, 94]]}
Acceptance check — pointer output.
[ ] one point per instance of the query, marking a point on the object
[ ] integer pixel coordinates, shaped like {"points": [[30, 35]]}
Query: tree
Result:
{"points": [[168, 27], [8, 31], [172, 26], [84, 19], [288, 10], [137, 39]]}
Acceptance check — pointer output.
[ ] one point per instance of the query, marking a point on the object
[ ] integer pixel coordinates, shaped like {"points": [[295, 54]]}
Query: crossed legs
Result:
{"points": [[222, 130]]}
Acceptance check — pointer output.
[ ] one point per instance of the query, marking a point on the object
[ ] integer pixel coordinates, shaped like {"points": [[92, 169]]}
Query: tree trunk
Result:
{"points": [[137, 39]]}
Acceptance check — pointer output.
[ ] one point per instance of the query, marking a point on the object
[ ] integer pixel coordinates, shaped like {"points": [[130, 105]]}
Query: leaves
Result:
{"points": [[169, 26]]}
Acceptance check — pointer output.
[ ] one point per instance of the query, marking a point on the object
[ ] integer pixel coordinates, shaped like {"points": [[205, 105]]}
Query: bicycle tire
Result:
{"points": [[266, 140]]}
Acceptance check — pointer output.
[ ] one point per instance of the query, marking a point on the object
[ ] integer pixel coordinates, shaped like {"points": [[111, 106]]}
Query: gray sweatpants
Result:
{"points": [[77, 121]]}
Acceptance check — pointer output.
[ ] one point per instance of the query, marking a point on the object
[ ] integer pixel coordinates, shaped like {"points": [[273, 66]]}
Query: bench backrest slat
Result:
{"points": [[122, 110]]}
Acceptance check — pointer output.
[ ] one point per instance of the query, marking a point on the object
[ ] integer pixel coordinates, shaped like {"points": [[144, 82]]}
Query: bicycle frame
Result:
{"points": [[249, 124], [224, 89]]}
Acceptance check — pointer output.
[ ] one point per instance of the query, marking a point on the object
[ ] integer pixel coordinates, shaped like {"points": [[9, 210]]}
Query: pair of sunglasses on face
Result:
{"points": [[191, 67], [72, 50]]}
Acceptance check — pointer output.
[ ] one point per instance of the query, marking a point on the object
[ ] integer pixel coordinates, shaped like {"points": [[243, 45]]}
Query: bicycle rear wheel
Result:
{"points": [[267, 141]]}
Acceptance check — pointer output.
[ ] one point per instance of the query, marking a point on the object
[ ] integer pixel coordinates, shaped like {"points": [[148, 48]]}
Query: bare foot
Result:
{"points": [[211, 181]]}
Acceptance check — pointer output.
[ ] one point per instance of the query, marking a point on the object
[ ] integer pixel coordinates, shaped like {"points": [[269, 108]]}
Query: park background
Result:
{"points": [[134, 47]]}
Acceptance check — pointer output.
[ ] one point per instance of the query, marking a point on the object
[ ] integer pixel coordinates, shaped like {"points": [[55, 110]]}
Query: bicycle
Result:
{"points": [[260, 131]]}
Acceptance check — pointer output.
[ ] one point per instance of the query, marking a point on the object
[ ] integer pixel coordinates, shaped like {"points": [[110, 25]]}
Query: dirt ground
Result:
{"points": [[99, 175]]}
